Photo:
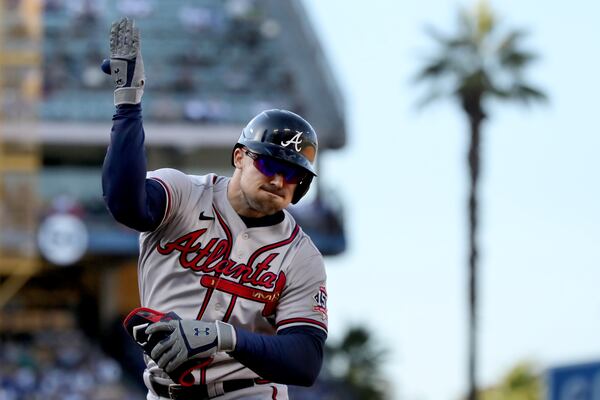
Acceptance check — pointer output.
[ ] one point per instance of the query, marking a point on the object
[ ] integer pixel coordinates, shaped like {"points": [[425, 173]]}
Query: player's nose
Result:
{"points": [[277, 180]]}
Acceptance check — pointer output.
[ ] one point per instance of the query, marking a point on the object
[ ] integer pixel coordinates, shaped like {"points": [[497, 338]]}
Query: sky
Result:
{"points": [[403, 181]]}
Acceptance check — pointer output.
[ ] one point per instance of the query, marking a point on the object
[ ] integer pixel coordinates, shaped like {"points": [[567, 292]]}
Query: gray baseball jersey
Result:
{"points": [[204, 263]]}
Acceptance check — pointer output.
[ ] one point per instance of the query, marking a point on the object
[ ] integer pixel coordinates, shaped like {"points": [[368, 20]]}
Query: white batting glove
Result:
{"points": [[126, 65], [190, 339]]}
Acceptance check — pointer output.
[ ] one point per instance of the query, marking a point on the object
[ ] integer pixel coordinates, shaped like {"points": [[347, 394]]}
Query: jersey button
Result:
{"points": [[218, 306], [245, 236]]}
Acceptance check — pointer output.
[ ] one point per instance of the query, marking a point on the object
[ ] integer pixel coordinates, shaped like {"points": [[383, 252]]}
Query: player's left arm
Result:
{"points": [[293, 357]]}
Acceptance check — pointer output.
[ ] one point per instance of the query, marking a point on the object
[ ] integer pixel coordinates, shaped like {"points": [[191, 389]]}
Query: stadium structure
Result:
{"points": [[211, 65]]}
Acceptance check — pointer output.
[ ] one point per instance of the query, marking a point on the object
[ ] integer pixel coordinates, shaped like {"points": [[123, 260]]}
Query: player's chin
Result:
{"points": [[274, 201]]}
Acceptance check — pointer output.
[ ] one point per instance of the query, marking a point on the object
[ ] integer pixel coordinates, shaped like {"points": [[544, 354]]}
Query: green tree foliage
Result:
{"points": [[480, 61], [521, 383], [356, 362]]}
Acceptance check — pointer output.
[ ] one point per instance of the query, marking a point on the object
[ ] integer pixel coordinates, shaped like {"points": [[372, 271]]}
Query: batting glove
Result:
{"points": [[136, 323], [125, 65], [189, 339]]}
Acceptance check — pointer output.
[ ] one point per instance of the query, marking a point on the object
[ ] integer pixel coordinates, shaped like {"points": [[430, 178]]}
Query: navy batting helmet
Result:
{"points": [[286, 136]]}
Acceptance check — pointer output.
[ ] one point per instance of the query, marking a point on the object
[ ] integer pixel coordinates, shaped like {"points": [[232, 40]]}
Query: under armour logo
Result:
{"points": [[296, 140], [197, 331]]}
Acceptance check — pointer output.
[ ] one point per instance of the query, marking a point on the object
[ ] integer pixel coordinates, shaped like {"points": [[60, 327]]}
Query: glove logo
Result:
{"points": [[197, 331], [296, 140]]}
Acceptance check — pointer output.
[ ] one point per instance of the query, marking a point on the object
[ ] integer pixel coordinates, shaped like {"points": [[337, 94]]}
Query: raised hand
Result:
{"points": [[126, 65]]}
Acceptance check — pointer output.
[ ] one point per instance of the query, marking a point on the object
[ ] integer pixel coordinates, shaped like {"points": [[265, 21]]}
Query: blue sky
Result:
{"points": [[403, 181]]}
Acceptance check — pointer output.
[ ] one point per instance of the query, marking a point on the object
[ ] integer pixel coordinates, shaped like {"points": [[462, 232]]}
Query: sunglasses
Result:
{"points": [[270, 167]]}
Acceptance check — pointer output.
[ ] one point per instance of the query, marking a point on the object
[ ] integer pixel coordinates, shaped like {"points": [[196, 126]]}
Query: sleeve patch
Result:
{"points": [[320, 302]]}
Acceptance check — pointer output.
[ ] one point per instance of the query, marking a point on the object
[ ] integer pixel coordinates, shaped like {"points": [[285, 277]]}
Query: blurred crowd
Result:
{"points": [[60, 365], [208, 61], [65, 365]]}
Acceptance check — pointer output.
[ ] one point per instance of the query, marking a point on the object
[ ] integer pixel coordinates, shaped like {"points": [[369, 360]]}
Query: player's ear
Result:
{"points": [[238, 157]]}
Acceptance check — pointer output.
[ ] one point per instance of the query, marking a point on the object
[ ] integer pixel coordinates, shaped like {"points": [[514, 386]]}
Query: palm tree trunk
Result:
{"points": [[475, 120]]}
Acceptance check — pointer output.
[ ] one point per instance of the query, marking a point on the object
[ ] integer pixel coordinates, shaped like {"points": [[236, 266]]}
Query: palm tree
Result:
{"points": [[477, 63]]}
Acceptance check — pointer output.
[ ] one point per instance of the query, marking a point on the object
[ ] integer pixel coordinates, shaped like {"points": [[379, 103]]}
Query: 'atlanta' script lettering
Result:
{"points": [[214, 257]]}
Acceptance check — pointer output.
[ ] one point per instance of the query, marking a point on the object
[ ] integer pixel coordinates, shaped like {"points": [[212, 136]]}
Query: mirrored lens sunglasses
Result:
{"points": [[271, 166]]}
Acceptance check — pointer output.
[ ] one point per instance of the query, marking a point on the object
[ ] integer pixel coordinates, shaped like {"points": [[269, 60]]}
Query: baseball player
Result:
{"points": [[232, 290]]}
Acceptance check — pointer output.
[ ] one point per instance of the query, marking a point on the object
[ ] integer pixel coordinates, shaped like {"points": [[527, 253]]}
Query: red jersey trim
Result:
{"points": [[227, 255], [301, 321], [274, 245], [227, 232]]}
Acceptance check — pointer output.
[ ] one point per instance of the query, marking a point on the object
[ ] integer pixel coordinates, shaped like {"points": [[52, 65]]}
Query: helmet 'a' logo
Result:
{"points": [[296, 141]]}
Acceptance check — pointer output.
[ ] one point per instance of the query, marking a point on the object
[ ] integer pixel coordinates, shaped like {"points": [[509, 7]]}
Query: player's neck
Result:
{"points": [[238, 201]]}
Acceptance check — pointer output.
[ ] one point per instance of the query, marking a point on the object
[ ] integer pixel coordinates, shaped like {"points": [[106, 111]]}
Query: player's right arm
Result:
{"points": [[132, 199]]}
